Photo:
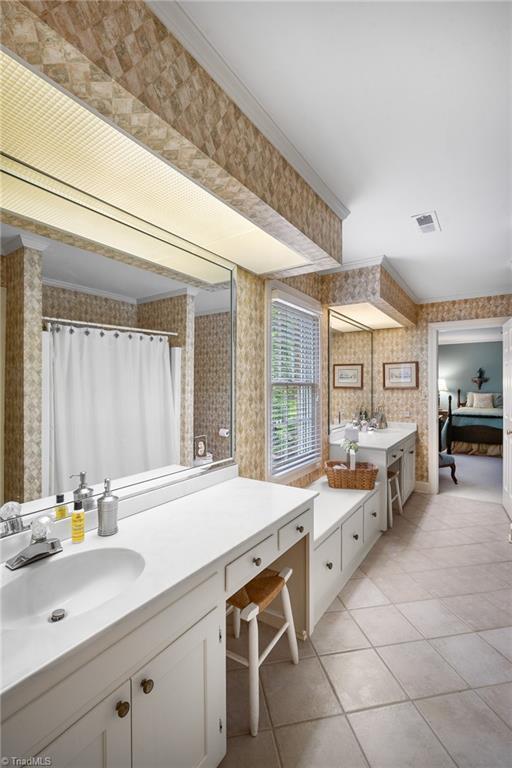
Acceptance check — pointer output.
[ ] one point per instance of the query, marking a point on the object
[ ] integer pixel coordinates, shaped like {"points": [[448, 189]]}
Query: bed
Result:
{"points": [[473, 430]]}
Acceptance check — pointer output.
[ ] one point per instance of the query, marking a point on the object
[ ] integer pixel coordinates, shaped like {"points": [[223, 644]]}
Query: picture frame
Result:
{"points": [[400, 375], [347, 375], [200, 447]]}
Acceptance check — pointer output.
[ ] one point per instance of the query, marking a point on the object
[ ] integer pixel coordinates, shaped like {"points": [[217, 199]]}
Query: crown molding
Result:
{"points": [[462, 296], [86, 289], [24, 240], [179, 23]]}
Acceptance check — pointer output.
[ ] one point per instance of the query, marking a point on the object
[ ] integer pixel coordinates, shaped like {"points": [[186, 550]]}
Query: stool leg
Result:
{"points": [[399, 496], [288, 615], [236, 622], [254, 680], [390, 506]]}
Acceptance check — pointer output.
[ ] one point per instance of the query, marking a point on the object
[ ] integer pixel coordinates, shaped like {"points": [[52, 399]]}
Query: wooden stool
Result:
{"points": [[393, 476], [246, 604]]}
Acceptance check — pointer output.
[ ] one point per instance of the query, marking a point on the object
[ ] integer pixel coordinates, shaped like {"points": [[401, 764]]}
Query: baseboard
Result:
{"points": [[423, 487]]}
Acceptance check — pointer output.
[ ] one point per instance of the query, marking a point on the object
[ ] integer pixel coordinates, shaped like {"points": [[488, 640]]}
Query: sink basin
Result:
{"points": [[77, 583]]}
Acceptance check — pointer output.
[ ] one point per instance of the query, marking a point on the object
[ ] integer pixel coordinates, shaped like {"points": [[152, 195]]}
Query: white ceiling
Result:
{"points": [[399, 108]]}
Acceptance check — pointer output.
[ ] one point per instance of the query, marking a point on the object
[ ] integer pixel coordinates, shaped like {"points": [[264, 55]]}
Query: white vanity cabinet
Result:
{"points": [[169, 714], [100, 739]]}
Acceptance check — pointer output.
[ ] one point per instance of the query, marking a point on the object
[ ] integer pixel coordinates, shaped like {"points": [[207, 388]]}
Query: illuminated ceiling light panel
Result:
{"points": [[368, 315], [47, 129]]}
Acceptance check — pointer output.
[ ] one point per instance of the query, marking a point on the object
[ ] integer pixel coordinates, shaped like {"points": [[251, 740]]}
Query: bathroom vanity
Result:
{"points": [[135, 671], [393, 447]]}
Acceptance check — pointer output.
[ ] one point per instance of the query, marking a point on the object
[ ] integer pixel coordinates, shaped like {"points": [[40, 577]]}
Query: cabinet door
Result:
{"points": [[408, 470], [179, 702], [100, 739]]}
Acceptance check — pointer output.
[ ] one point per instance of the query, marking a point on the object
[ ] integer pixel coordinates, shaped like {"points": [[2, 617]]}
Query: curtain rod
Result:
{"points": [[106, 327]]}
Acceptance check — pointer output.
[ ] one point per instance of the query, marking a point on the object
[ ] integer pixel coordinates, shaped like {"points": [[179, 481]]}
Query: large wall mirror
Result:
{"points": [[116, 353], [350, 369]]}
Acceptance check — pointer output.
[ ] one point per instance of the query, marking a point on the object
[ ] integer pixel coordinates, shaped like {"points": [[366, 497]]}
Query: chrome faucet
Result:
{"points": [[40, 545], [10, 518]]}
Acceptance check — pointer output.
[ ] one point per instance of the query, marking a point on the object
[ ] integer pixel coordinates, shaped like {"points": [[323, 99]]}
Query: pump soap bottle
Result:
{"points": [[107, 511], [60, 509]]}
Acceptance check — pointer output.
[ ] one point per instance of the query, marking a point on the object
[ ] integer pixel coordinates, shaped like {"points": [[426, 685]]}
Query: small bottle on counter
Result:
{"points": [[60, 509], [77, 523]]}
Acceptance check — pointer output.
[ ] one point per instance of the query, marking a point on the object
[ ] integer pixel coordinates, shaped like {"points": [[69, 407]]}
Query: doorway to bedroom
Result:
{"points": [[470, 412]]}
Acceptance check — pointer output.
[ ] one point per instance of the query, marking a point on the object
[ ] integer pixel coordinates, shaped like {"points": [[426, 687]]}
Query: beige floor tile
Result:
{"points": [[499, 698], [335, 606], [362, 593], [501, 550], [414, 560], [420, 669], [502, 572], [466, 554], [358, 574], [381, 567], [400, 587], [237, 699], [441, 538], [478, 612], [337, 632], [326, 743], [361, 680], [501, 597], [474, 659], [281, 652], [463, 580], [473, 735], [398, 737], [432, 618], [250, 752], [501, 639], [384, 625], [298, 692], [486, 533]]}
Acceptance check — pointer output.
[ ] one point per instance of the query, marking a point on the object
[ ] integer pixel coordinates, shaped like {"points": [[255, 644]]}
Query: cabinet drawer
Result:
{"points": [[352, 537], [326, 572], [248, 565], [294, 530], [371, 510]]}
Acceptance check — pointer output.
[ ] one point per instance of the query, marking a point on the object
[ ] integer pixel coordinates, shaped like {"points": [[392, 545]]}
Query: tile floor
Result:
{"points": [[411, 666]]}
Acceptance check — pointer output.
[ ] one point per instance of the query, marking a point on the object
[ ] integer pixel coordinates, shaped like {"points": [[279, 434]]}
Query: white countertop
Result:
{"points": [[177, 540], [380, 439], [334, 505]]}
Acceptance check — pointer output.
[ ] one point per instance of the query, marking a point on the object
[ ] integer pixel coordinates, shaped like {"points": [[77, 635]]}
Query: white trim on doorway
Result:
{"points": [[433, 339]]}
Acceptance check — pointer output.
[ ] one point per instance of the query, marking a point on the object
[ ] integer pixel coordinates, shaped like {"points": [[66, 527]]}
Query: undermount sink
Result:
{"points": [[76, 583]]}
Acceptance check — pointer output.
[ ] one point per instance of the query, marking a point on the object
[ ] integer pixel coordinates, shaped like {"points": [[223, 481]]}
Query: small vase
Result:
{"points": [[352, 455]]}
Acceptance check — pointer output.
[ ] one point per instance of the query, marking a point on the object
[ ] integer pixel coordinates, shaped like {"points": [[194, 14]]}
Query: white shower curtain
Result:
{"points": [[111, 405]]}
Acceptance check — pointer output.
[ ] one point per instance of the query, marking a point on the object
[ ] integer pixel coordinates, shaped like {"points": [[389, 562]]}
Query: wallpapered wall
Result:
{"points": [[348, 348], [458, 364], [212, 381]]}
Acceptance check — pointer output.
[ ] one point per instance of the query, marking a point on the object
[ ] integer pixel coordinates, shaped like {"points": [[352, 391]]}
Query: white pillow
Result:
{"points": [[482, 400], [469, 399]]}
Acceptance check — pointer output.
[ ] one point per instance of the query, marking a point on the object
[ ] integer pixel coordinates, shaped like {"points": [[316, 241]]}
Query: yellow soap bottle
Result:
{"points": [[77, 523], [60, 509]]}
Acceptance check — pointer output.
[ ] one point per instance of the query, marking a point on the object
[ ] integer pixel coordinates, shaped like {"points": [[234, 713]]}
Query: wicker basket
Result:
{"points": [[362, 477]]}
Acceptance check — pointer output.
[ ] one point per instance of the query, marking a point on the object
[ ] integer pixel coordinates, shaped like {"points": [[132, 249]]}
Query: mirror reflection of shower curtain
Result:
{"points": [[110, 408]]}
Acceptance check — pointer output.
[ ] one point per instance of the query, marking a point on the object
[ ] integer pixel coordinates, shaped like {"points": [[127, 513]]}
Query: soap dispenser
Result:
{"points": [[107, 511], [84, 493]]}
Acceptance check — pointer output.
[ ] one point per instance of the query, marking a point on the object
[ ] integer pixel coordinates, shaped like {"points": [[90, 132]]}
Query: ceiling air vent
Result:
{"points": [[428, 222]]}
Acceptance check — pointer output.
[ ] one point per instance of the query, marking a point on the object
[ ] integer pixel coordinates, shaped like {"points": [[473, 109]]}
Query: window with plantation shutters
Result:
{"points": [[294, 387]]}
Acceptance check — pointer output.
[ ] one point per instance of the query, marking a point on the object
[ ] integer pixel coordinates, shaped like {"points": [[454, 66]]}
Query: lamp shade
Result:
{"points": [[441, 385]]}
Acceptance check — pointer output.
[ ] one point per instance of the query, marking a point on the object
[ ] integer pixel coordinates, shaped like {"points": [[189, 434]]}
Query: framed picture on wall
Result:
{"points": [[347, 376], [400, 375]]}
